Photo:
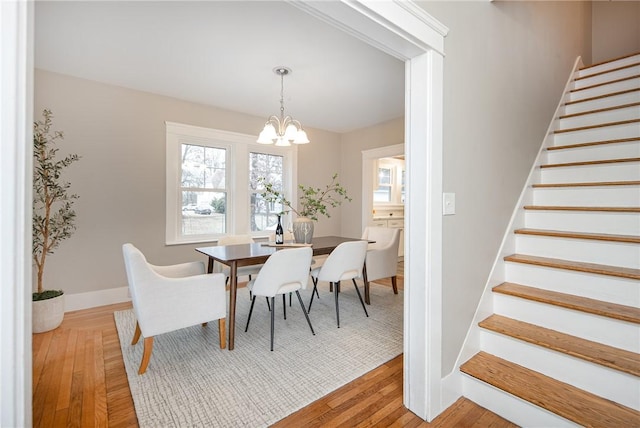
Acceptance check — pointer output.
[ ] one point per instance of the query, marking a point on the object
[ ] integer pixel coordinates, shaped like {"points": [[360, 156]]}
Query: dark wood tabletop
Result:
{"points": [[239, 255]]}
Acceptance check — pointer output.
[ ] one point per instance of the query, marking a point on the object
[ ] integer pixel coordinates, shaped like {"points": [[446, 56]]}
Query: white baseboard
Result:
{"points": [[92, 299]]}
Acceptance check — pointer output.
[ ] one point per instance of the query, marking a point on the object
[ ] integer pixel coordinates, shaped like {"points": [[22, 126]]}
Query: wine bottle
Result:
{"points": [[279, 233]]}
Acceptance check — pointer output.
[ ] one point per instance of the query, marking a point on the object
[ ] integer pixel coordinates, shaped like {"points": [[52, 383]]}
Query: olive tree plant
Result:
{"points": [[53, 214]]}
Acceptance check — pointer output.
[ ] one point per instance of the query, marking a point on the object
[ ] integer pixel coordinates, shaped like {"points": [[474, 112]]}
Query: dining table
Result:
{"points": [[239, 255]]}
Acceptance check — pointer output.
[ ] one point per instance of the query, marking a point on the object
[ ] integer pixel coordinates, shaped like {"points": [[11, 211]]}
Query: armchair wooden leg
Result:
{"points": [[136, 334], [146, 356], [394, 284], [222, 332]]}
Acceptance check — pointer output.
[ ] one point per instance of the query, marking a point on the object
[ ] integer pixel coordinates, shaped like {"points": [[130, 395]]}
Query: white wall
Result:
{"points": [[120, 134], [505, 66], [616, 29]]}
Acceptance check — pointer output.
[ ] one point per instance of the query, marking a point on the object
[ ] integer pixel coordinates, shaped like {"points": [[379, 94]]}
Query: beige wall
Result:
{"points": [[616, 29], [120, 135], [353, 143], [505, 67]]}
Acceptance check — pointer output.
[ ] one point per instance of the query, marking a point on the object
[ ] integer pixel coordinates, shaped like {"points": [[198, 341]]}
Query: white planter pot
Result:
{"points": [[303, 230], [47, 314]]}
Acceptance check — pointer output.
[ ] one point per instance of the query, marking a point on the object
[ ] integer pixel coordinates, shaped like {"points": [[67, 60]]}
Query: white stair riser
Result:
{"points": [[603, 133], [608, 116], [620, 171], [629, 149], [607, 77], [613, 196], [608, 331], [510, 407], [589, 222], [604, 89], [614, 100], [609, 65], [605, 382], [621, 291], [581, 250]]}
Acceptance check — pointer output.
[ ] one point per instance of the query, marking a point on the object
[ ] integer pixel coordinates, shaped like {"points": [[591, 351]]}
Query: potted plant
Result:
{"points": [[53, 218], [313, 201]]}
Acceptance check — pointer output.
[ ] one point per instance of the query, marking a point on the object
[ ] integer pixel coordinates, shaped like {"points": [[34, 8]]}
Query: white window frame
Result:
{"points": [[237, 146]]}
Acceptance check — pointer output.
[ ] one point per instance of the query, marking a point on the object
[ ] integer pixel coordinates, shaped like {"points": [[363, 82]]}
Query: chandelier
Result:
{"points": [[282, 130]]}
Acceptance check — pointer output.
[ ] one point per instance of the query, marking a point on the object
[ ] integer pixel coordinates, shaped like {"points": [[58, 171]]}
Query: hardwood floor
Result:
{"points": [[79, 381]]}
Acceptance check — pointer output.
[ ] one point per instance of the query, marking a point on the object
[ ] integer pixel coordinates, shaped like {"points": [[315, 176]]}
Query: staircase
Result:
{"points": [[558, 336]]}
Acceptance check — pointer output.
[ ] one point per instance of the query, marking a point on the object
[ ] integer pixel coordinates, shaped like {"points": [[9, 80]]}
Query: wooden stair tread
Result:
{"points": [[579, 235], [608, 71], [586, 67], [569, 301], [600, 125], [617, 271], [598, 97], [575, 208], [593, 143], [605, 83], [594, 352], [600, 110], [588, 184], [595, 162], [579, 406]]}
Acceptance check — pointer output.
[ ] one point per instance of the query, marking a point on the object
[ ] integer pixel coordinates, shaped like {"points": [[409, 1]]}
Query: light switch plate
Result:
{"points": [[448, 203]]}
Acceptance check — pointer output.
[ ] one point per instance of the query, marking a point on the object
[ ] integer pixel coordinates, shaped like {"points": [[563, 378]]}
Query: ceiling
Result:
{"points": [[222, 53]]}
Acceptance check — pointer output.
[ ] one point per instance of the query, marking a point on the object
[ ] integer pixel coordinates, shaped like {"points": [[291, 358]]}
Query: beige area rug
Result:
{"points": [[191, 382]]}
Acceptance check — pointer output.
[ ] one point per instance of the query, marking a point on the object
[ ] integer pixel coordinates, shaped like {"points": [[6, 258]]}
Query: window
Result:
{"points": [[390, 181], [383, 192], [203, 190], [264, 215], [208, 190]]}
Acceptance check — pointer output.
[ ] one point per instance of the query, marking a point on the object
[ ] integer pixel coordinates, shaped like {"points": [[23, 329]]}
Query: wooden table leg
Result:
{"points": [[233, 287], [366, 285], [210, 265]]}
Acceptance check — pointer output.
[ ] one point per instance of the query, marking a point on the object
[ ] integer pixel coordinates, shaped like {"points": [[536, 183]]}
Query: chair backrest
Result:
{"points": [[285, 270], [384, 237], [345, 262], [235, 240]]}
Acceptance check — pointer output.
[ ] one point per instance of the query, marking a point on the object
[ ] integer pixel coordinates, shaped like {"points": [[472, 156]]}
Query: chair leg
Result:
{"points": [[223, 333], [290, 299], [136, 334], [284, 306], [315, 291], [250, 312], [335, 293], [360, 297], [146, 356], [394, 284], [306, 315], [273, 319], [268, 305]]}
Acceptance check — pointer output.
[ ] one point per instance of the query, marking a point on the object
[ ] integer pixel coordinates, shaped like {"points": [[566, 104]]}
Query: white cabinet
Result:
{"points": [[396, 224]]}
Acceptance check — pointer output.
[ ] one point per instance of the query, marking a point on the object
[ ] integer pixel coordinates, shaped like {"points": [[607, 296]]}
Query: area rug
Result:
{"points": [[191, 382]]}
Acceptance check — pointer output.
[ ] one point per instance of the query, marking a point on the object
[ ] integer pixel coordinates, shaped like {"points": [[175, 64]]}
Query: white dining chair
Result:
{"points": [[382, 255], [285, 271], [344, 263], [248, 271], [168, 298]]}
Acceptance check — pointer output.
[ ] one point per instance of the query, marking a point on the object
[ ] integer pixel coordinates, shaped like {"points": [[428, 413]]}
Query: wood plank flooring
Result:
{"points": [[79, 381]]}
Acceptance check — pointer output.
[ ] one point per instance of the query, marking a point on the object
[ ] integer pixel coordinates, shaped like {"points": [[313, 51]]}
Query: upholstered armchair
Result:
{"points": [[168, 298], [382, 256]]}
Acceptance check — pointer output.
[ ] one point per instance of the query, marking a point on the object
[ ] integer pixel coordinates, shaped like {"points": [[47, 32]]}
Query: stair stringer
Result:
{"points": [[452, 383]]}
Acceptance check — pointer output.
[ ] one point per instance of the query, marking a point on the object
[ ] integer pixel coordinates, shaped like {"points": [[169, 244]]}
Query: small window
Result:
{"points": [[264, 215]]}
